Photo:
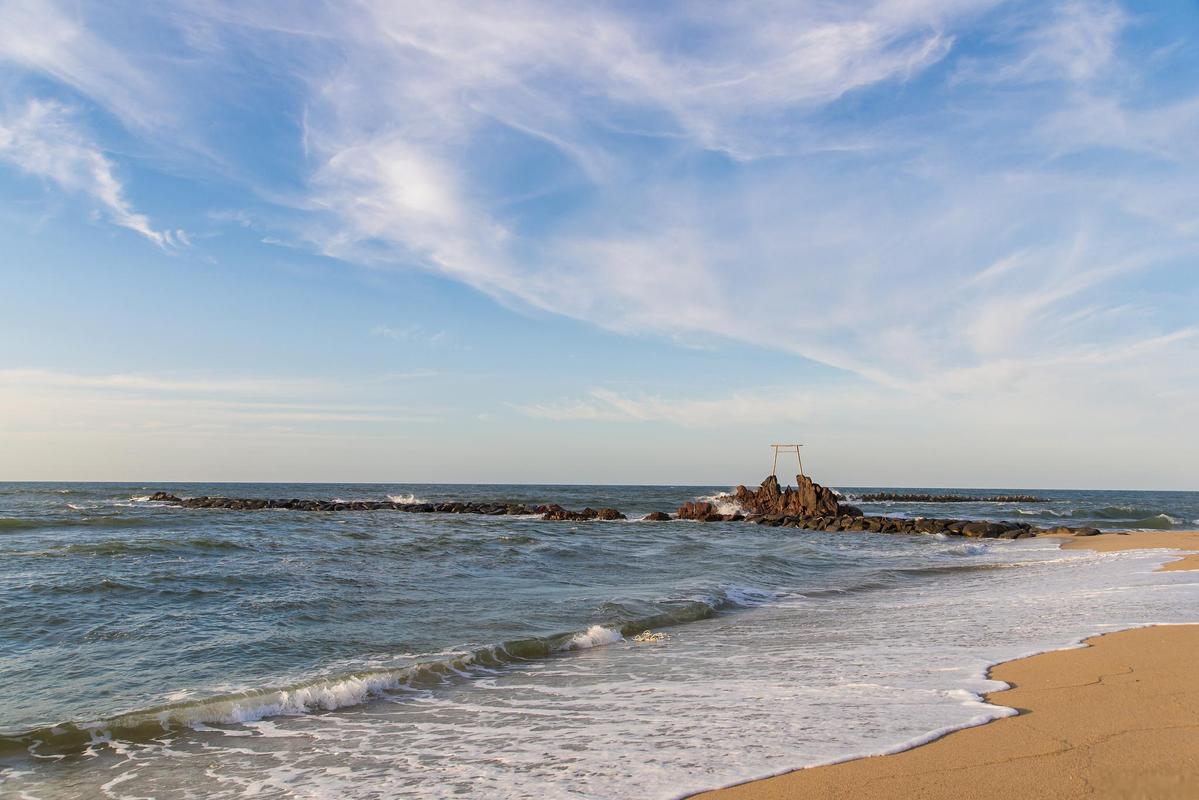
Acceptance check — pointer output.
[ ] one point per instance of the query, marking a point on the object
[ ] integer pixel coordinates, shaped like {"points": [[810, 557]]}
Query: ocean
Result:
{"points": [[153, 651]]}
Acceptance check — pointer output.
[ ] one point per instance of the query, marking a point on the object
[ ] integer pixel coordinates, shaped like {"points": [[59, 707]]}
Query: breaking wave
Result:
{"points": [[725, 503], [331, 692]]}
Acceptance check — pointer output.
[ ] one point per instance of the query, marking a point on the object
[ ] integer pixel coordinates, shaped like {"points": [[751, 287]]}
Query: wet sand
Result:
{"points": [[1118, 718], [1169, 540]]}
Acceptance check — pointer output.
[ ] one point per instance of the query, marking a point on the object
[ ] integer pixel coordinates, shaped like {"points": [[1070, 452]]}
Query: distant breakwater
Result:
{"points": [[549, 511], [900, 497], [809, 506]]}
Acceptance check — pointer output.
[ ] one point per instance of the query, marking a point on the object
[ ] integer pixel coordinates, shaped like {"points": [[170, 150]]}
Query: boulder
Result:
{"points": [[697, 509], [657, 516], [986, 530], [1063, 530]]}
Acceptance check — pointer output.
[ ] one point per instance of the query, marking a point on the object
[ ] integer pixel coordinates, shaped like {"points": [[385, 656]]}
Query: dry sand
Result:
{"points": [[1116, 719]]}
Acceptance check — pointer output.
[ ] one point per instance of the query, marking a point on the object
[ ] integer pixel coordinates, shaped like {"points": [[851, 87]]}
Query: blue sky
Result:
{"points": [[940, 243]]}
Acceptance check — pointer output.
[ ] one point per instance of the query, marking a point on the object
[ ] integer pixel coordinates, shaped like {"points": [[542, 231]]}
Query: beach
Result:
{"points": [[1117, 718]]}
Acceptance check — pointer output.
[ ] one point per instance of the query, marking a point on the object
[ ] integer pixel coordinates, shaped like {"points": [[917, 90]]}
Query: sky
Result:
{"points": [[943, 243]]}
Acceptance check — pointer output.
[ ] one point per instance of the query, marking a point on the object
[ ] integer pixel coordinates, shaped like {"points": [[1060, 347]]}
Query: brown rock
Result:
{"points": [[697, 509]]}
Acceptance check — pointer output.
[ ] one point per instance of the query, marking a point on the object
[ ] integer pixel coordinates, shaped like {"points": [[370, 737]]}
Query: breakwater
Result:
{"points": [[548, 511], [902, 497], [807, 506]]}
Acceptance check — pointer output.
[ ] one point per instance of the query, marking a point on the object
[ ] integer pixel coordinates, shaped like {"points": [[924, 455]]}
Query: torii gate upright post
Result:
{"points": [[786, 448]]}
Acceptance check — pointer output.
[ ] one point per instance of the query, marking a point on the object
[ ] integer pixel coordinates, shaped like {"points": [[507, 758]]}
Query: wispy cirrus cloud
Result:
{"points": [[44, 139], [45, 399]]}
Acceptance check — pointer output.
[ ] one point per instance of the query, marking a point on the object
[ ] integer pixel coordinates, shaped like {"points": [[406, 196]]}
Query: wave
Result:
{"points": [[29, 523], [595, 636], [1118, 512], [331, 692], [889, 578], [140, 546], [1160, 522], [725, 503], [1128, 516], [405, 499]]}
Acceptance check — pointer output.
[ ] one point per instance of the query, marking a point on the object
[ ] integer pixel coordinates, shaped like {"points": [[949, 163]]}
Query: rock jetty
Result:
{"points": [[550, 511], [899, 497], [810, 506], [807, 506]]}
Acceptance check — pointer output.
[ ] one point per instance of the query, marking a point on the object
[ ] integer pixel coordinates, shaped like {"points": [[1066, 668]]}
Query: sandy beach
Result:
{"points": [[1118, 718]]}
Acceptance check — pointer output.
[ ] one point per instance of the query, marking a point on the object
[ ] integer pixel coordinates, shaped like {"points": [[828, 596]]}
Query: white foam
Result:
{"points": [[405, 499], [255, 706], [595, 636], [966, 549], [725, 503]]}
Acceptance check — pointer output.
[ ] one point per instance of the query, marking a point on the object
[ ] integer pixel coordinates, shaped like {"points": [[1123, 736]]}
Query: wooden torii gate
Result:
{"points": [[786, 448]]}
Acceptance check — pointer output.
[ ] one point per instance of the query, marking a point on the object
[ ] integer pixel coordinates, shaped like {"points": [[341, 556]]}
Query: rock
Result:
{"points": [[163, 497], [1063, 530], [987, 530], [814, 499], [556, 512], [657, 516], [696, 509], [807, 499]]}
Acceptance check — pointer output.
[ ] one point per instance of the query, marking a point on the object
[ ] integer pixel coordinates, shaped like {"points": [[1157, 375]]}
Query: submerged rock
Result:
{"points": [[1063, 530]]}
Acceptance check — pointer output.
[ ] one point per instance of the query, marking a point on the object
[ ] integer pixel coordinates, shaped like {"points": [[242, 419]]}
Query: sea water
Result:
{"points": [[153, 651]]}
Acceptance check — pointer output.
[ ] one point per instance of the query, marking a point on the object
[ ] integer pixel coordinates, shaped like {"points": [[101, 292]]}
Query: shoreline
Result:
{"points": [[1114, 716], [1141, 540]]}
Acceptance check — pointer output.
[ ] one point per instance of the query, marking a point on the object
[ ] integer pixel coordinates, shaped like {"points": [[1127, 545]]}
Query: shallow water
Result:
{"points": [[381, 654]]}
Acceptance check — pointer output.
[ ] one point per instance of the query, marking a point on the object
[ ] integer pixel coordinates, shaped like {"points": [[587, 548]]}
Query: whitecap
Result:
{"points": [[725, 503], [595, 636]]}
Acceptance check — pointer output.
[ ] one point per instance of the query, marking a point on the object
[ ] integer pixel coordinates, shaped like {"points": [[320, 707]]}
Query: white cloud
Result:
{"points": [[411, 333], [155, 383], [1078, 42], [50, 400], [44, 139], [38, 35]]}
